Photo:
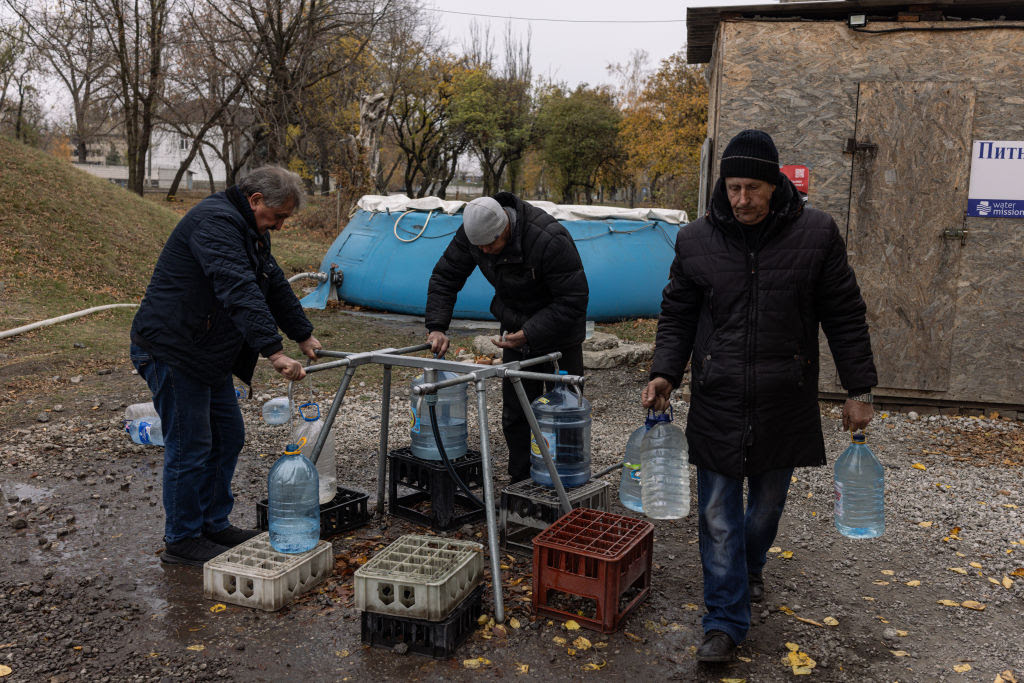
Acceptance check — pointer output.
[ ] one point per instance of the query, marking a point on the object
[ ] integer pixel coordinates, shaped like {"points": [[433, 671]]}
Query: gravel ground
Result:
{"points": [[84, 597]]}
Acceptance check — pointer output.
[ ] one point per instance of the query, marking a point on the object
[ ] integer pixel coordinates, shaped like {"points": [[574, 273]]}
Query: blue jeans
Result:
{"points": [[203, 435], [734, 545]]}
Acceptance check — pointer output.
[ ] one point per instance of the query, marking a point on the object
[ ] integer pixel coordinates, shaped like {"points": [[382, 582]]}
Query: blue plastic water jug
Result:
{"points": [[630, 487], [451, 421], [860, 491], [145, 430], [277, 411], [563, 416], [665, 470], [293, 506]]}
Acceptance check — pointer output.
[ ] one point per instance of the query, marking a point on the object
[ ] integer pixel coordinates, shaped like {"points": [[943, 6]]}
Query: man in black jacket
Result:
{"points": [[540, 297], [213, 304], [750, 284]]}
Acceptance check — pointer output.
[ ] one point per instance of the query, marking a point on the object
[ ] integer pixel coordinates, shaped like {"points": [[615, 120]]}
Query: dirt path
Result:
{"points": [[83, 595]]}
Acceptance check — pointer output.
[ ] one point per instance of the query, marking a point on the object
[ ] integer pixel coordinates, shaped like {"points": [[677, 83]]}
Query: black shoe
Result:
{"points": [[231, 535], [193, 551], [756, 584], [717, 647]]}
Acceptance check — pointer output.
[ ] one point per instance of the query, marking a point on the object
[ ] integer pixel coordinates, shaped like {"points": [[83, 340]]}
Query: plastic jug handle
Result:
{"points": [[653, 416], [306, 405]]}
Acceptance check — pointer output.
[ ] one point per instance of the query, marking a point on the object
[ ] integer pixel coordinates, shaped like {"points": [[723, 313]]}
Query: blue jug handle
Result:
{"points": [[654, 417], [306, 405]]}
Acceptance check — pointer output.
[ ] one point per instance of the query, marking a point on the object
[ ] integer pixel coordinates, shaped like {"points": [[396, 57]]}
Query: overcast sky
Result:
{"points": [[571, 50]]}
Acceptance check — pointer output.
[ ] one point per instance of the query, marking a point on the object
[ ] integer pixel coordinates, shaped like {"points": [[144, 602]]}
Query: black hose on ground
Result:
{"points": [[444, 457]]}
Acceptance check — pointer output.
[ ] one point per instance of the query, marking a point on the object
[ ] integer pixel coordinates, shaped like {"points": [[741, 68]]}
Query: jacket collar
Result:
{"points": [[241, 202], [513, 251], [786, 206]]}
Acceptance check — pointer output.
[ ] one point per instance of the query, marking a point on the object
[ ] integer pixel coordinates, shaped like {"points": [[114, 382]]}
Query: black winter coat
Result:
{"points": [[538, 279], [749, 319], [217, 296]]}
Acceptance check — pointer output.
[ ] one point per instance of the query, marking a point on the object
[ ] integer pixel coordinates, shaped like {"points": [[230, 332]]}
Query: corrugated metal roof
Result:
{"points": [[702, 22]]}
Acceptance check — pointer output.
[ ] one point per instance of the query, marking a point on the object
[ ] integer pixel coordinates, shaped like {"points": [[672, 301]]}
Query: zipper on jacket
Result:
{"points": [[748, 437]]}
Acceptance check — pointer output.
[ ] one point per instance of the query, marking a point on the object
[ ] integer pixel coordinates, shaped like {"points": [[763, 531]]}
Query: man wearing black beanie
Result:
{"points": [[751, 283]]}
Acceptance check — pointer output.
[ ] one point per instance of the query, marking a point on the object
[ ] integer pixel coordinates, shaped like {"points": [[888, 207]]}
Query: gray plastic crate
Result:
{"points": [[527, 508], [423, 577], [253, 574]]}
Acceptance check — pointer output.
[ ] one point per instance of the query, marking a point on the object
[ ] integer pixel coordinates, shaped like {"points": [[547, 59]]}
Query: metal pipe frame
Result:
{"points": [[477, 374]]}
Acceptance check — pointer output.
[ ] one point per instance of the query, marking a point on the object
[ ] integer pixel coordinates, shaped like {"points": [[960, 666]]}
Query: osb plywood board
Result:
{"points": [[800, 81]]}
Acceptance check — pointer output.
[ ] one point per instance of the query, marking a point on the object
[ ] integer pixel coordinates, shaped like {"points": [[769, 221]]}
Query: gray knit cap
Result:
{"points": [[484, 220]]}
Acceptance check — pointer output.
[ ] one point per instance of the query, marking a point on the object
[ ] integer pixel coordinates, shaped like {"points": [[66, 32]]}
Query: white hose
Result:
{"points": [[60, 319], [321, 277], [419, 234]]}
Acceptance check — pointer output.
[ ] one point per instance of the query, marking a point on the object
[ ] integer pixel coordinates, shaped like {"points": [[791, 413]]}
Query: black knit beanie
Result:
{"points": [[751, 154]]}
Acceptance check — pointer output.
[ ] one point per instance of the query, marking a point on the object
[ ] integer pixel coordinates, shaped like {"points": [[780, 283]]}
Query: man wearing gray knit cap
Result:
{"points": [[540, 297]]}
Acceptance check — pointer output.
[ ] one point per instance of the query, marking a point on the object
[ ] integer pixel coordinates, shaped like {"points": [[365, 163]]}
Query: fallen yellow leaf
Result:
{"points": [[734, 680], [522, 668], [1019, 571], [514, 623], [482, 619], [949, 603], [958, 570], [792, 647], [1005, 677], [812, 622], [962, 668], [559, 640], [880, 583], [572, 626], [632, 636], [571, 651], [5, 670], [995, 581], [888, 572], [919, 466], [218, 608], [976, 565], [900, 633], [899, 653], [775, 549], [786, 554], [913, 582], [341, 653], [831, 621], [972, 604], [925, 524], [594, 666], [786, 610], [196, 648], [581, 643], [1010, 506], [476, 663], [1007, 582]]}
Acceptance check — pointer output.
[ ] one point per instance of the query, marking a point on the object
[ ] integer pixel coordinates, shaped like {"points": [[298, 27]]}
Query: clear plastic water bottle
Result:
{"points": [[860, 491], [451, 421], [631, 485], [277, 411], [665, 470], [146, 431], [241, 391], [293, 512], [137, 410], [306, 432], [563, 416]]}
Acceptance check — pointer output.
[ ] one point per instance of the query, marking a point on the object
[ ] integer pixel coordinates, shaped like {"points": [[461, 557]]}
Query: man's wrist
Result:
{"points": [[865, 397]]}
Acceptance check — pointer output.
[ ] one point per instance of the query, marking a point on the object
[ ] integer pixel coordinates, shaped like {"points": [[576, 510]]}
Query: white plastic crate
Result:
{"points": [[422, 577], [253, 574]]}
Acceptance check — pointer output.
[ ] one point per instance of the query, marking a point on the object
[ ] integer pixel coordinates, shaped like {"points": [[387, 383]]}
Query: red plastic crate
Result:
{"points": [[598, 556]]}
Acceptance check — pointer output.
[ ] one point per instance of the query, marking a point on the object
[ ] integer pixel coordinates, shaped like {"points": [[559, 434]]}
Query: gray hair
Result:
{"points": [[276, 184]]}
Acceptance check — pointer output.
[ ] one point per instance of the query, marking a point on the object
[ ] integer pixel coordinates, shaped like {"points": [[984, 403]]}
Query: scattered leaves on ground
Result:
{"points": [[5, 670], [801, 662], [219, 607], [962, 668], [559, 640], [196, 648], [476, 663], [522, 668], [919, 466], [899, 653], [925, 524], [514, 623], [831, 621], [594, 666], [913, 582], [972, 604], [572, 626]]}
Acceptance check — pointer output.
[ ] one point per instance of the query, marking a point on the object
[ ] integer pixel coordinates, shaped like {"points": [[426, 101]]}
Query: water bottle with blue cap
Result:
{"points": [[563, 416], [293, 513], [860, 491], [664, 469]]}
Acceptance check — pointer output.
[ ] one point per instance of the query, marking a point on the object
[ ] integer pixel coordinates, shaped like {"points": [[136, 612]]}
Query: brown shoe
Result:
{"points": [[717, 647]]}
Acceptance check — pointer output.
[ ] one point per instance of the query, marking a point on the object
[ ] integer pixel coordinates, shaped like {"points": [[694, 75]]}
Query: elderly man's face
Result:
{"points": [[498, 245], [749, 198], [269, 217]]}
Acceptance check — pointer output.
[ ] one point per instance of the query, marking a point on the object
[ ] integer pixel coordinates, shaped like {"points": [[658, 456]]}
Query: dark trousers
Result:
{"points": [[514, 424], [203, 435]]}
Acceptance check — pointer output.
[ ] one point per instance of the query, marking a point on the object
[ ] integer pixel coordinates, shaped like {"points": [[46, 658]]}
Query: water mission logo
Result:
{"points": [[984, 208]]}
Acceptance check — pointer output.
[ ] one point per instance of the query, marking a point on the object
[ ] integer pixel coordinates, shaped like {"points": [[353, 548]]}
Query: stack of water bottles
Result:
{"points": [[142, 424], [293, 506]]}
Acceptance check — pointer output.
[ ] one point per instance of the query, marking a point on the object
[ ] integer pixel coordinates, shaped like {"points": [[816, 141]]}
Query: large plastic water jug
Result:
{"points": [[277, 411], [860, 491], [665, 470], [137, 410], [631, 485], [146, 431], [293, 512], [563, 416], [306, 432], [451, 421]]}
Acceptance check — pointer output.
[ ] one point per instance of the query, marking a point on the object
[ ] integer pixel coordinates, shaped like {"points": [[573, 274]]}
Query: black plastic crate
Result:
{"points": [[430, 481], [346, 511], [437, 639]]}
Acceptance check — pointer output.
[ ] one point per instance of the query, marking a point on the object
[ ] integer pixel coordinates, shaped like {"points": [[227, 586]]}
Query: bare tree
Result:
{"points": [[137, 31], [67, 37]]}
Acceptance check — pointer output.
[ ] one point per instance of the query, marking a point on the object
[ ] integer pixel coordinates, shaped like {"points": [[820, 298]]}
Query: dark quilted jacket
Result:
{"points": [[217, 296], [749, 320], [538, 279]]}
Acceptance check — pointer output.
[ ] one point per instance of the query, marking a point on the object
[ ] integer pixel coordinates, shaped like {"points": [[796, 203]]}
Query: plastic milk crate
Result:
{"points": [[431, 482], [437, 639], [596, 557], [422, 577], [346, 511], [527, 508], [253, 574]]}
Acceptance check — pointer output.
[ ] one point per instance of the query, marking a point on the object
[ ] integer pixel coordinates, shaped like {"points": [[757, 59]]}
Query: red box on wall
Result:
{"points": [[800, 175]]}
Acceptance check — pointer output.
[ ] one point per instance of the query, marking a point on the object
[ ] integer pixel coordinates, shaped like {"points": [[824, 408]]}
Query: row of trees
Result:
{"points": [[366, 92]]}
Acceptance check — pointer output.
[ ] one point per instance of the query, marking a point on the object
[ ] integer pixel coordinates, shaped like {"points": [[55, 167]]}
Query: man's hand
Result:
{"points": [[310, 347], [513, 340], [656, 394], [438, 343], [857, 415], [289, 368]]}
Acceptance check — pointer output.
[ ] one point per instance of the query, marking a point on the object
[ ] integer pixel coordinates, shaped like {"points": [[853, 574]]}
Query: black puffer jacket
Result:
{"points": [[538, 279], [750, 319], [217, 296]]}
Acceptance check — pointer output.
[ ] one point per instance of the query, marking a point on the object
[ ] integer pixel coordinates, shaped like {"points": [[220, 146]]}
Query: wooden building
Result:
{"points": [[884, 102]]}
